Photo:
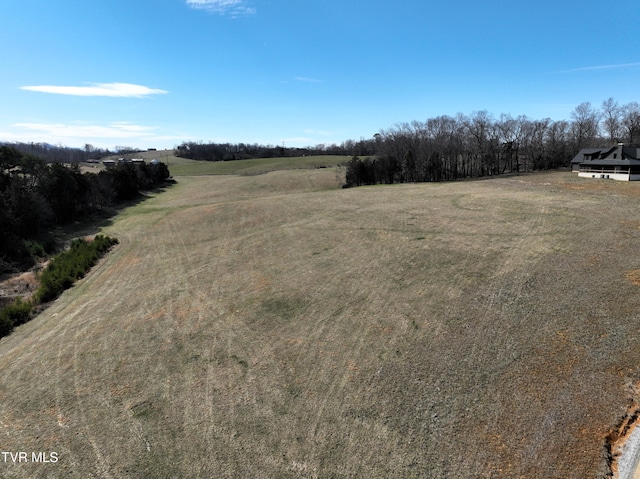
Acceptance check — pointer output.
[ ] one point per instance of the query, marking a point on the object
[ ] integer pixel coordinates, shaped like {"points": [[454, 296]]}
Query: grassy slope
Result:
{"points": [[278, 326], [184, 167]]}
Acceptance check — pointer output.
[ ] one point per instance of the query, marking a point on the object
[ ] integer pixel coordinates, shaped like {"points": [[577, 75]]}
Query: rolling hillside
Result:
{"points": [[277, 326]]}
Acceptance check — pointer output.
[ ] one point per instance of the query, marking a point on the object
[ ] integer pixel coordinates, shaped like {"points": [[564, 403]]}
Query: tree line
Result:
{"points": [[243, 151], [449, 148], [65, 154], [36, 196]]}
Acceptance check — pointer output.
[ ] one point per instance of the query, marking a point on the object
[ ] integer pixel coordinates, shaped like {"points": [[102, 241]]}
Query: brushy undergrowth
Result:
{"points": [[15, 314], [70, 266], [60, 274]]}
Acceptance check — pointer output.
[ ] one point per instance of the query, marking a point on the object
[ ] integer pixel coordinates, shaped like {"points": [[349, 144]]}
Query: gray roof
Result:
{"points": [[617, 155]]}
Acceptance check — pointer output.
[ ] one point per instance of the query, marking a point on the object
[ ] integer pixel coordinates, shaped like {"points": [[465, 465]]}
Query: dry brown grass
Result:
{"points": [[23, 285], [634, 276], [278, 326]]}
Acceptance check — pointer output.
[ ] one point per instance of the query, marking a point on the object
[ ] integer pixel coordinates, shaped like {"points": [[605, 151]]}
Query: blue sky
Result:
{"points": [[155, 73]]}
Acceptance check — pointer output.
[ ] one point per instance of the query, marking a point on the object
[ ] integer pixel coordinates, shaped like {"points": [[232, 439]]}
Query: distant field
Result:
{"points": [[278, 326], [184, 167]]}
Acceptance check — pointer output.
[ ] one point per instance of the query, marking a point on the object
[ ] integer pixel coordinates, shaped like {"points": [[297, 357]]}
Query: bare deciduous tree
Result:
{"points": [[631, 122], [585, 125], [612, 120]]}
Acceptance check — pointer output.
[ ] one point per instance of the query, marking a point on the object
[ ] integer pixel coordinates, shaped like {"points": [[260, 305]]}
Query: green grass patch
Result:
{"points": [[283, 308], [184, 167]]}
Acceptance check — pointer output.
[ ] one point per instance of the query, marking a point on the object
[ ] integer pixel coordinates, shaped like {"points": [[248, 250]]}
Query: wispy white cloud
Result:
{"points": [[311, 131], [78, 133], [223, 7], [111, 130], [600, 67], [307, 80], [122, 90]]}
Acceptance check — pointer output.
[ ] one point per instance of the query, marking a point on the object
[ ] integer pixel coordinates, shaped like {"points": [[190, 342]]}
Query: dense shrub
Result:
{"points": [[14, 315], [40, 249], [6, 324], [66, 268]]}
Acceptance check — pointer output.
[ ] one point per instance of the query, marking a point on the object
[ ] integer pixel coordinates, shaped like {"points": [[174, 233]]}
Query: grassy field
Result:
{"points": [[277, 326], [184, 167]]}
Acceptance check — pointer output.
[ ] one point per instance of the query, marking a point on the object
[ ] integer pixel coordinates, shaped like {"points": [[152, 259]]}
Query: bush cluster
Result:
{"points": [[70, 266], [14, 315], [60, 274]]}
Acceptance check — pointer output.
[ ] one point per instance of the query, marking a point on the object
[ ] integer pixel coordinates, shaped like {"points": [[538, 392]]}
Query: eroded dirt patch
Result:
{"points": [[619, 435], [22, 285]]}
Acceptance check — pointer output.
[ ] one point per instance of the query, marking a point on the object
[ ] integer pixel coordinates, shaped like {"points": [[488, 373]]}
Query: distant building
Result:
{"points": [[109, 163], [616, 163]]}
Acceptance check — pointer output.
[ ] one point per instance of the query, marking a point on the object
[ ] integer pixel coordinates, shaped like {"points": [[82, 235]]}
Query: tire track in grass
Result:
{"points": [[62, 376], [499, 295], [54, 326], [328, 329], [68, 318], [88, 332], [281, 245], [508, 280], [84, 423], [88, 329]]}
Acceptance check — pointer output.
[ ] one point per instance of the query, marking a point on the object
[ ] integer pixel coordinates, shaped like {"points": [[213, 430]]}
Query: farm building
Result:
{"points": [[617, 163]]}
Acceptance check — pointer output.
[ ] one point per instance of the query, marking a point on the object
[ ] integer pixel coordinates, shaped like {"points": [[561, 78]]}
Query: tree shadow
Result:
{"points": [[95, 221], [58, 237]]}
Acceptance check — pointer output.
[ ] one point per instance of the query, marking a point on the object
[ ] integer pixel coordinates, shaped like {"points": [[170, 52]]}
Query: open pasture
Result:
{"points": [[256, 166], [277, 326], [184, 167]]}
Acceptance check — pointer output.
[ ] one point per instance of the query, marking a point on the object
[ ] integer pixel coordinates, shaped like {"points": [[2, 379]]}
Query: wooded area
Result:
{"points": [[449, 148], [243, 151], [36, 196]]}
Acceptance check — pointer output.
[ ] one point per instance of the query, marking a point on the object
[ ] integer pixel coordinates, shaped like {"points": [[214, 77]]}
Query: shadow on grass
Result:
{"points": [[71, 264], [58, 237], [94, 222]]}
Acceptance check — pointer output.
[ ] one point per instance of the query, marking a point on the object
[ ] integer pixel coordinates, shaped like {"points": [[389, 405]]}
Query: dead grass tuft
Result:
{"points": [[633, 276]]}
